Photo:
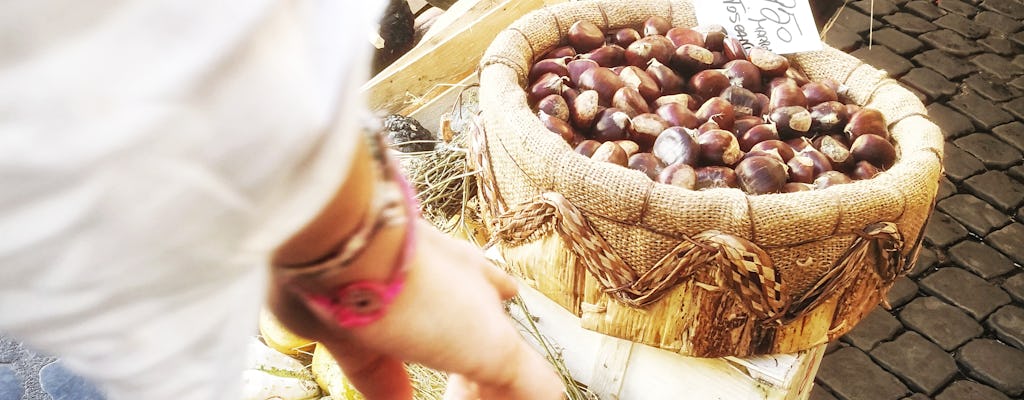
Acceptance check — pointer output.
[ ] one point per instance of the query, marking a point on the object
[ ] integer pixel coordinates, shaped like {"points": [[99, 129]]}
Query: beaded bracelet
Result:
{"points": [[362, 302]]}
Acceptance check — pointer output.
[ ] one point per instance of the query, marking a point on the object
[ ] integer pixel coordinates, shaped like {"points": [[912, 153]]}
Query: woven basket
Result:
{"points": [[704, 273]]}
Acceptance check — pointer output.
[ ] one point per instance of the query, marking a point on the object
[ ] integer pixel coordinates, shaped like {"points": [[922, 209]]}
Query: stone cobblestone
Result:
{"points": [[990, 150], [983, 113], [997, 188], [1014, 285], [926, 260], [1009, 240], [897, 41], [996, 65], [820, 393], [944, 324], [1016, 173], [917, 396], [1017, 38], [953, 123], [911, 24], [877, 7], [980, 259], [1018, 82], [951, 42], [851, 375], [1015, 107], [959, 164], [967, 390], [902, 291], [931, 83], [842, 38], [1012, 9], [883, 58], [960, 24], [857, 22], [942, 230], [945, 64], [987, 86], [924, 9], [998, 22], [965, 290], [1008, 323], [876, 327], [995, 364], [946, 189], [999, 45], [1012, 133], [975, 214], [920, 363]]}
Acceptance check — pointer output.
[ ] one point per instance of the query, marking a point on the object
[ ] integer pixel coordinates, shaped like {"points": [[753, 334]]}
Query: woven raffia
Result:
{"points": [[705, 273]]}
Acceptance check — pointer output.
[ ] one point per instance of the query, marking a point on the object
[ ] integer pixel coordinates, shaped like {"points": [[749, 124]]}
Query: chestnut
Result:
{"points": [[791, 121], [646, 163], [684, 99], [866, 121], [557, 66], [718, 59], [609, 55], [682, 175], [761, 175], [611, 153], [629, 146], [641, 52], [691, 58], [707, 126], [681, 36], [734, 49], [799, 143], [555, 106], [719, 147], [676, 146], [863, 170], [836, 151], [743, 73], [667, 79], [827, 117], [819, 160], [830, 178], [629, 101], [757, 134], [640, 80], [584, 109], [817, 93], [611, 124], [560, 52], [577, 67], [875, 150], [623, 37], [719, 110], [744, 123], [715, 176], [556, 125], [677, 114], [714, 37], [585, 36], [548, 84], [779, 147], [744, 101], [771, 64], [656, 25], [708, 83], [587, 147], [801, 169], [603, 80], [793, 187], [798, 76], [645, 128], [786, 95]]}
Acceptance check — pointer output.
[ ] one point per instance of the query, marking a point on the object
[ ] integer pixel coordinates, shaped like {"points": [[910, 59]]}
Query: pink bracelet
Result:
{"points": [[362, 302]]}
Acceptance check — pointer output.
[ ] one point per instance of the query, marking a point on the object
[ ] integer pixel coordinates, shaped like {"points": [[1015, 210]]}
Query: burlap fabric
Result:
{"points": [[815, 241]]}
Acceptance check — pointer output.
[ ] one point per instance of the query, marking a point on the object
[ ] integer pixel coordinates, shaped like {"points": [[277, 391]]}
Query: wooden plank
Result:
{"points": [[444, 58], [610, 368]]}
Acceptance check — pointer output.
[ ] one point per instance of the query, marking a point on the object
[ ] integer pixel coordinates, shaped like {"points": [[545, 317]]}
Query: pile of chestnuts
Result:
{"points": [[691, 107]]}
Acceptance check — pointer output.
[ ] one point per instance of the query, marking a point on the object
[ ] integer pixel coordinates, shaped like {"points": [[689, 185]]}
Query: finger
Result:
{"points": [[459, 388], [376, 376], [505, 284]]}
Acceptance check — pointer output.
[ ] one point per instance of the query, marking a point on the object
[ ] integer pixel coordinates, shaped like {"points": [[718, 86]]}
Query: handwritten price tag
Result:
{"points": [[782, 26]]}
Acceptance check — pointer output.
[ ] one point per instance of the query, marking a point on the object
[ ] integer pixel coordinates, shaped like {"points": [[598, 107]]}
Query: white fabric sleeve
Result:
{"points": [[152, 154]]}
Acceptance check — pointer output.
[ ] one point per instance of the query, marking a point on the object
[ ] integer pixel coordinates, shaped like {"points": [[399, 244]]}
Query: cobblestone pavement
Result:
{"points": [[956, 329]]}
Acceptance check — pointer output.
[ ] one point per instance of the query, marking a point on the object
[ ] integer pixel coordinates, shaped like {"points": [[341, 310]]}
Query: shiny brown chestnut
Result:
{"points": [[680, 36], [603, 80], [611, 153], [677, 114], [611, 124], [817, 93], [866, 121], [676, 146], [667, 79], [557, 66], [640, 80], [690, 58], [629, 146], [715, 176], [771, 64], [559, 52], [717, 109], [629, 101], [585, 36], [656, 25], [744, 123], [744, 101], [829, 179], [714, 37], [734, 49], [821, 162], [777, 146], [828, 117], [682, 175], [791, 121], [680, 98], [757, 134], [625, 36], [836, 151], [584, 109], [719, 147], [577, 67], [875, 150], [555, 106], [609, 55], [587, 147], [743, 73], [708, 83], [708, 126], [863, 170], [558, 126], [548, 84], [761, 175], [641, 52], [645, 128], [786, 95], [793, 187], [646, 163], [801, 169]]}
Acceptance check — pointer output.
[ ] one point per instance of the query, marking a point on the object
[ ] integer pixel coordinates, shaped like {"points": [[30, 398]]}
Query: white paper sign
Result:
{"points": [[782, 26]]}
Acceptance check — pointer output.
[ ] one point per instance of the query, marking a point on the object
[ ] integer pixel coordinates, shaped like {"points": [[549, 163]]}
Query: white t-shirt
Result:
{"points": [[152, 154]]}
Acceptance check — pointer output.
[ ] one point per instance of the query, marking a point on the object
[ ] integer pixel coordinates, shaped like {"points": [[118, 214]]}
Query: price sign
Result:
{"points": [[782, 26]]}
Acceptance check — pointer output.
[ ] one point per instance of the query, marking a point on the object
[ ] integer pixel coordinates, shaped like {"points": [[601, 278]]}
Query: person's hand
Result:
{"points": [[448, 317]]}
